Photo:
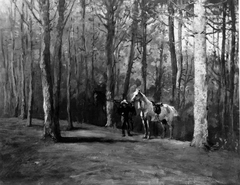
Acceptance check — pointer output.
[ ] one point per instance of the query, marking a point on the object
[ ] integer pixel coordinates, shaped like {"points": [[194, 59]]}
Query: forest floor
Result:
{"points": [[97, 155]]}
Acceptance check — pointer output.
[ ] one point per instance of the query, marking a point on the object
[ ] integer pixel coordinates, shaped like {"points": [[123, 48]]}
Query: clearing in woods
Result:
{"points": [[97, 155]]}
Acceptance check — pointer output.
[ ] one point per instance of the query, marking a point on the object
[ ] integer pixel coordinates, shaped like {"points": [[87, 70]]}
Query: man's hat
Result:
{"points": [[124, 101]]}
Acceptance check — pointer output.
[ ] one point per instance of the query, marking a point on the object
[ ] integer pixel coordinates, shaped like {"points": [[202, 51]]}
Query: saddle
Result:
{"points": [[157, 107]]}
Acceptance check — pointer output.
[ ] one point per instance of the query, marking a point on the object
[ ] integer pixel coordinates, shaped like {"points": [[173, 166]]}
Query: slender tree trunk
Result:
{"points": [[172, 48], [93, 50], [144, 46], [223, 83], [14, 81], [84, 56], [180, 57], [132, 48], [232, 66], [185, 75], [69, 111], [160, 71], [200, 83], [5, 79], [84, 61], [23, 61], [51, 128], [78, 70], [30, 98]]}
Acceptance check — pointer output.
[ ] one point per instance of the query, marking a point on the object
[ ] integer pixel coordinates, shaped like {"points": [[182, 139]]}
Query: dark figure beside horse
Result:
{"points": [[126, 110]]}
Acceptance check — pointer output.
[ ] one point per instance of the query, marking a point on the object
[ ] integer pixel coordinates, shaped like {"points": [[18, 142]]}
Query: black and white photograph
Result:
{"points": [[119, 92]]}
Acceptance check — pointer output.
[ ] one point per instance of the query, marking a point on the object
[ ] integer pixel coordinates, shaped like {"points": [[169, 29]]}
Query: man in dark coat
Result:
{"points": [[124, 111]]}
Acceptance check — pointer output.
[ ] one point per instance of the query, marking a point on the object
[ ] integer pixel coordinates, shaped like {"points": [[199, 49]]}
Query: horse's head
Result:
{"points": [[137, 95]]}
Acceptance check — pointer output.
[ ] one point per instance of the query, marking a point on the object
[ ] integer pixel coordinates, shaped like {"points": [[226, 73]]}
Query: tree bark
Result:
{"points": [[51, 129], [57, 57], [180, 57], [78, 71], [111, 7], [172, 48], [132, 48], [23, 114], [144, 45], [31, 58], [160, 71], [232, 66], [200, 84], [14, 80], [84, 61], [84, 52], [93, 49], [5, 79], [69, 111], [223, 83]]}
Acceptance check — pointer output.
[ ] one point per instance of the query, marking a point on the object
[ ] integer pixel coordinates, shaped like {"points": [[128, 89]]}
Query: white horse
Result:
{"points": [[145, 108]]}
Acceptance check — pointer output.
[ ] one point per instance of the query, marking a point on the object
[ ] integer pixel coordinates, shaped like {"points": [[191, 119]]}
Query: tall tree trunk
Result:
{"points": [[69, 111], [132, 48], [13, 75], [172, 48], [57, 57], [110, 16], [180, 57], [93, 49], [144, 45], [83, 56], [51, 128], [31, 58], [232, 66], [23, 61], [5, 79], [160, 71], [84, 61], [223, 83], [78, 70], [200, 84]]}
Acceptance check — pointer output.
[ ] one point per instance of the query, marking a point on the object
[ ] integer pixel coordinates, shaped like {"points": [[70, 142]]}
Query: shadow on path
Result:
{"points": [[94, 139]]}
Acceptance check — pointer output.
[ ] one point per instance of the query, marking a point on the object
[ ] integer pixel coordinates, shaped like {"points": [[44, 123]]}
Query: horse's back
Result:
{"points": [[171, 110]]}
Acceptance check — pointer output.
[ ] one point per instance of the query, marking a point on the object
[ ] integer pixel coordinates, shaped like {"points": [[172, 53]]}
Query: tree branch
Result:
{"points": [[31, 9], [69, 13]]}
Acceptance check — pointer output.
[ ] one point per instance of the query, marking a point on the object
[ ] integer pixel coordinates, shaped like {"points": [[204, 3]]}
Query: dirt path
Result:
{"points": [[95, 155]]}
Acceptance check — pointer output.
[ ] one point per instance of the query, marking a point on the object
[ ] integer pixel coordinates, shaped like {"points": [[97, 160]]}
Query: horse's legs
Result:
{"points": [[131, 122], [163, 123], [148, 129], [123, 125], [164, 130], [128, 127], [145, 129], [170, 130]]}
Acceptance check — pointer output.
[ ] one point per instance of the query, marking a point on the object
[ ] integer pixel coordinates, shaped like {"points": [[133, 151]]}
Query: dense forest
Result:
{"points": [[70, 59]]}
